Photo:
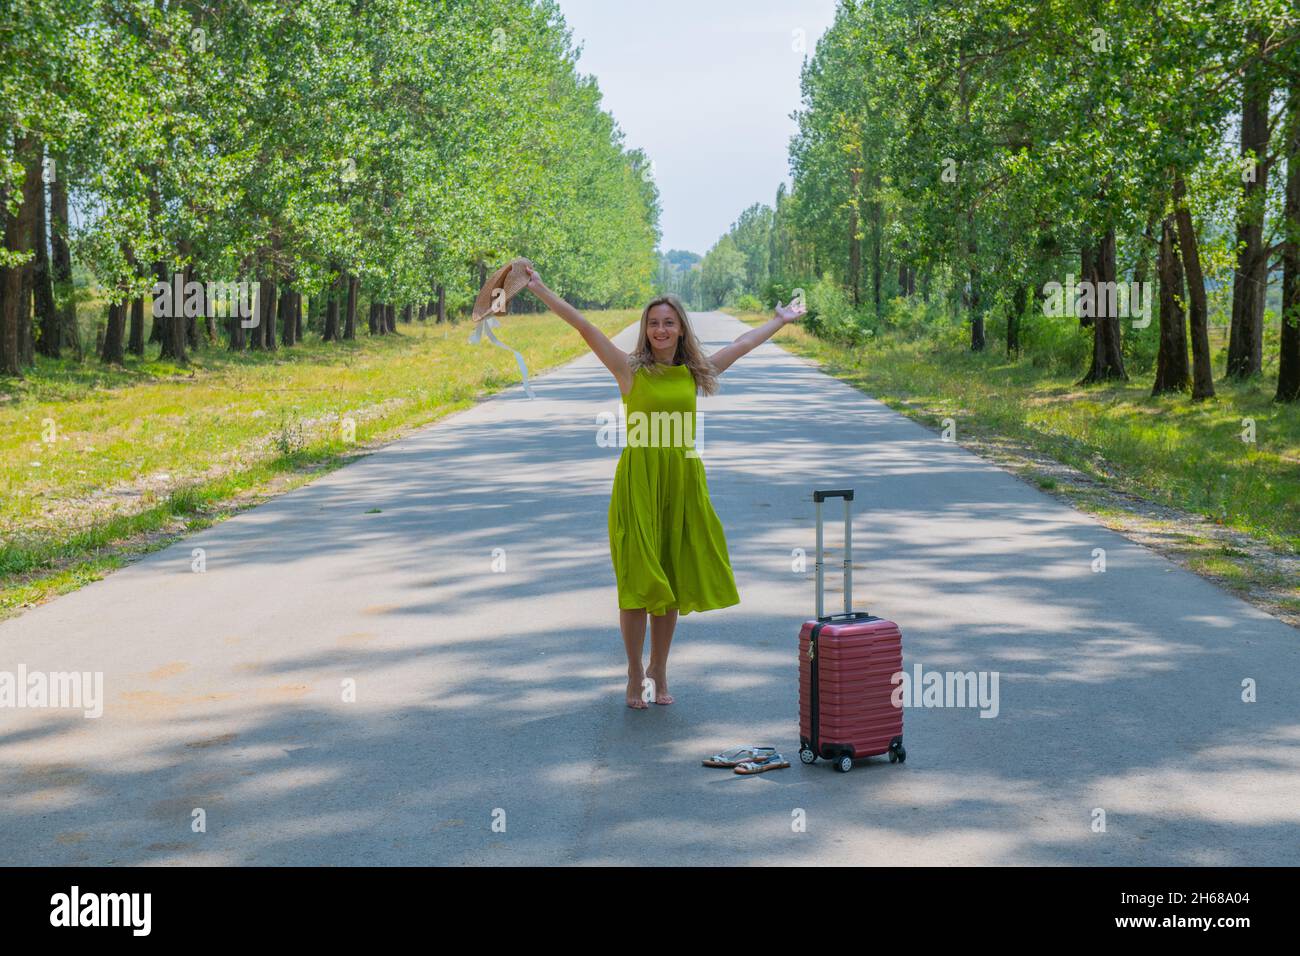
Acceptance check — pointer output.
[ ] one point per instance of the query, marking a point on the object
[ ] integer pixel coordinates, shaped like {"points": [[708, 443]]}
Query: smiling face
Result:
{"points": [[663, 329]]}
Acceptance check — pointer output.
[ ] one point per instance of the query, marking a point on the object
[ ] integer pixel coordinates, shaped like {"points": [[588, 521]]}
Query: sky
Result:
{"points": [[706, 88]]}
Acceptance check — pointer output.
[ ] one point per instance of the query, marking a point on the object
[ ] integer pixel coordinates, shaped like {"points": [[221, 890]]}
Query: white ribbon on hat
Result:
{"points": [[487, 325]]}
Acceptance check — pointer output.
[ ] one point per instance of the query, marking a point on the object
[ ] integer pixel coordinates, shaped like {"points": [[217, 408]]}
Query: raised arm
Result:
{"points": [[613, 357], [723, 358]]}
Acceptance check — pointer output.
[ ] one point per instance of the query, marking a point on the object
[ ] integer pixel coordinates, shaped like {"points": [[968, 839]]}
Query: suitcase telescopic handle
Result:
{"points": [[818, 498], [845, 493]]}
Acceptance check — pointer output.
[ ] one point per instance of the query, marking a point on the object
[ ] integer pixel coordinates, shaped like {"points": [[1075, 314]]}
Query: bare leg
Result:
{"points": [[632, 624], [661, 638]]}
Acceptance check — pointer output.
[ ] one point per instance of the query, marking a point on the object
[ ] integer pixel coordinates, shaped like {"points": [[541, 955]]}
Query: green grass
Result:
{"points": [[1168, 449], [94, 460]]}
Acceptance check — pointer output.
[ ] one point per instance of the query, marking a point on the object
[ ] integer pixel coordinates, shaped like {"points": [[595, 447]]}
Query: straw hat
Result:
{"points": [[510, 279]]}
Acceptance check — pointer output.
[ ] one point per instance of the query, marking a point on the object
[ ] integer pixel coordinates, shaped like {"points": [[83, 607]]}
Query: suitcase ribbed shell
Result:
{"points": [[855, 661]]}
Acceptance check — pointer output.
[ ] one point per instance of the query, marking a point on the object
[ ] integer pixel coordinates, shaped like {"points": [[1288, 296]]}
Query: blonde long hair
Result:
{"points": [[689, 351]]}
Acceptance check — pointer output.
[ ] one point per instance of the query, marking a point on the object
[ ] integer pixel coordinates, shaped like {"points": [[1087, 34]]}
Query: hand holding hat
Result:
{"points": [[493, 298], [501, 287], [535, 283]]}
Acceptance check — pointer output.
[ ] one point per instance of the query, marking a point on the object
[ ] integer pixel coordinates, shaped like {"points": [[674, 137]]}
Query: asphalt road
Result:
{"points": [[488, 723]]}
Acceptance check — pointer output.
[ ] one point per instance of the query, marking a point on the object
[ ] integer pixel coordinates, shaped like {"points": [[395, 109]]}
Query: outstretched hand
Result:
{"points": [[791, 312]]}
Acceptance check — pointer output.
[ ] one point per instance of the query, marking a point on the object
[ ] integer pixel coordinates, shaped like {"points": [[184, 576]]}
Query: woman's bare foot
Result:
{"points": [[661, 694], [634, 685]]}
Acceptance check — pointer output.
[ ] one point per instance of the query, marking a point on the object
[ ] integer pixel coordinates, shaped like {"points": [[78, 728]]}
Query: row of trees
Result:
{"points": [[744, 260], [983, 150], [679, 273], [386, 152]]}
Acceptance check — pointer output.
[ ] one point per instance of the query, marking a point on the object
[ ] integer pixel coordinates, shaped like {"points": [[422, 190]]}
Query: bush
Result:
{"points": [[783, 292], [1140, 346], [831, 317], [1057, 343], [912, 318], [748, 303], [290, 438]]}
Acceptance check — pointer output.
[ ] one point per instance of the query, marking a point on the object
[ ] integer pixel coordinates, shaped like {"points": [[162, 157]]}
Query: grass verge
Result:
{"points": [[1174, 475], [100, 465]]}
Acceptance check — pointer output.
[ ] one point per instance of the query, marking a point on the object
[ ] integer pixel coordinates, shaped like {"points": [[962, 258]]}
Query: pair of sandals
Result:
{"points": [[748, 760]]}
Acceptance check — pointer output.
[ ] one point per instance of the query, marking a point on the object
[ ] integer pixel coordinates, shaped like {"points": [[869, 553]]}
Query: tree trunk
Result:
{"points": [[350, 313], [1172, 372], [442, 304], [288, 323], [270, 295], [1288, 359], [331, 331], [235, 328], [1018, 304], [1140, 266], [135, 340], [974, 301], [158, 334], [172, 328], [210, 321], [1107, 357], [390, 317], [1202, 371], [877, 241], [112, 350], [180, 335], [4, 365], [162, 324], [18, 237], [977, 340], [50, 343], [192, 321], [1250, 283], [855, 244], [25, 335], [375, 328], [252, 335], [1086, 266], [61, 263], [406, 313]]}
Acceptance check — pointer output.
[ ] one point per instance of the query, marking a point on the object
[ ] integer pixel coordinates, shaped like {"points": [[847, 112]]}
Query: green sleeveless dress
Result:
{"points": [[666, 543]]}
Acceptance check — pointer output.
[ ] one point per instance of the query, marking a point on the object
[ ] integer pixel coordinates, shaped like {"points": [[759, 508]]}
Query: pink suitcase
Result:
{"points": [[846, 662]]}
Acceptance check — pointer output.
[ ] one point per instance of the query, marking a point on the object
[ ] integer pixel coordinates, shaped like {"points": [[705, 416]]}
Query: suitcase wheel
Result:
{"points": [[807, 756], [844, 764], [897, 752]]}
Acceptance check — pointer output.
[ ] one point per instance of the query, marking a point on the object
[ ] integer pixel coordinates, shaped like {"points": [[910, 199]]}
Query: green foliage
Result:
{"points": [[912, 318], [775, 291], [831, 316], [722, 274], [1054, 343], [402, 141], [1184, 454], [973, 150]]}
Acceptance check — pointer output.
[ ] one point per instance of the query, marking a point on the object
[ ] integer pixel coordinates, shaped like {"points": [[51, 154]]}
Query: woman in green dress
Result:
{"points": [[667, 545]]}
